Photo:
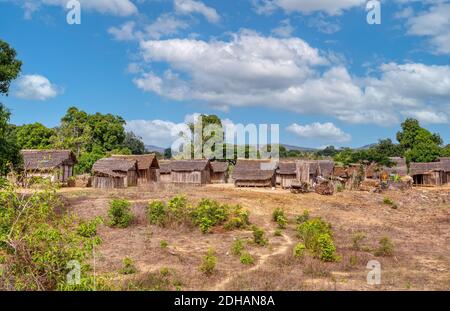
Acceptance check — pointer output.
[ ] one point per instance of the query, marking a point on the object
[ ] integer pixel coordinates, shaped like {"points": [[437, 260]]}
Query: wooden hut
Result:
{"points": [[446, 167], [111, 173], [165, 173], [255, 173], [286, 173], [193, 172], [54, 164], [429, 174], [219, 174], [148, 167]]}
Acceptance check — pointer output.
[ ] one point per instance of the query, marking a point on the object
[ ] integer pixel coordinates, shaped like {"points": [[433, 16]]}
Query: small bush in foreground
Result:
{"points": [[209, 262], [390, 202], [120, 213], [157, 213], [247, 259], [357, 239], [237, 247], [88, 229], [128, 266], [386, 247], [326, 251], [163, 244], [209, 213], [259, 236], [279, 217], [302, 218], [299, 250], [318, 238]]}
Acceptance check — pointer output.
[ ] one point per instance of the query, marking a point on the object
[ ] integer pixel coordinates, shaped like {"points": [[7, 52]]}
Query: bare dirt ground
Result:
{"points": [[419, 229]]}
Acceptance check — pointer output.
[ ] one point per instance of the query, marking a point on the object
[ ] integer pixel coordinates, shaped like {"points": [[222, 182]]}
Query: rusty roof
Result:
{"points": [[47, 159]]}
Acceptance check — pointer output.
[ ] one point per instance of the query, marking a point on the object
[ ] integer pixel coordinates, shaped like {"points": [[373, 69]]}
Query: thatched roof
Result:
{"points": [[219, 167], [189, 165], [144, 161], [114, 167], [253, 170], [399, 167], [47, 159], [164, 167], [323, 168], [287, 168], [425, 168]]}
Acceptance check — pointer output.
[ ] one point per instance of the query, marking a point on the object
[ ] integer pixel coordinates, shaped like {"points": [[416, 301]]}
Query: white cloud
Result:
{"points": [[191, 6], [324, 132], [434, 24], [425, 116], [110, 7], [36, 87], [289, 74], [331, 7], [165, 25], [124, 32], [284, 30], [156, 132]]}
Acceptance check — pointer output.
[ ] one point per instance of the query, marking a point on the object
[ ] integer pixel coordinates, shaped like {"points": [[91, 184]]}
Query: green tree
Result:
{"points": [[168, 153], [134, 143], [87, 159], [9, 70], [34, 136], [329, 151]]}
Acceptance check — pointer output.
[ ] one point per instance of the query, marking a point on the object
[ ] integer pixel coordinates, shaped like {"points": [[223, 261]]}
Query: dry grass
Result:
{"points": [[419, 229]]}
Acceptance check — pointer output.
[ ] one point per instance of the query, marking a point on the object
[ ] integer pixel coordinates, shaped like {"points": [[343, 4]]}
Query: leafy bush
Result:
{"points": [[279, 217], [38, 239], [299, 250], [237, 247], [386, 247], [238, 218], [326, 251], [209, 262], [209, 213], [120, 213], [390, 202], [277, 213], [128, 266], [302, 218], [157, 213], [178, 210], [259, 236], [88, 229], [318, 238], [246, 259], [277, 232]]}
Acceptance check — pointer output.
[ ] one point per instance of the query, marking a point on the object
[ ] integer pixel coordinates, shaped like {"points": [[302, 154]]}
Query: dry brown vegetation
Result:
{"points": [[419, 228]]}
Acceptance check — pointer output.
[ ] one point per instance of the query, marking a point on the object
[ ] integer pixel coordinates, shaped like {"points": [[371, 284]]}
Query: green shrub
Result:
{"points": [[278, 232], [302, 218], [128, 266], [282, 222], [277, 213], [209, 213], [385, 248], [178, 210], [209, 262], [318, 238], [357, 239], [88, 229], [259, 236], [326, 251], [157, 213], [120, 213], [238, 218], [299, 250], [163, 244], [164, 271], [246, 259], [237, 247]]}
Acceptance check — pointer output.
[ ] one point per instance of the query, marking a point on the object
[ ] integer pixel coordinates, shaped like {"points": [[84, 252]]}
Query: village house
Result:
{"points": [[164, 172], [430, 174], [194, 172], [286, 174], [56, 165], [111, 173], [310, 170], [148, 167], [219, 174], [255, 173]]}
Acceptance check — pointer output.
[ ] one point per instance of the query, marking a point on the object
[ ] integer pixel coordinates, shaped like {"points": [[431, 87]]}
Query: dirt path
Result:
{"points": [[283, 248]]}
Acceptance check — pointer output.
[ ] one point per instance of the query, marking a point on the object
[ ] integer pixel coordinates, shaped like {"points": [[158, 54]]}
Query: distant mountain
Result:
{"points": [[366, 147], [296, 148], [151, 148]]}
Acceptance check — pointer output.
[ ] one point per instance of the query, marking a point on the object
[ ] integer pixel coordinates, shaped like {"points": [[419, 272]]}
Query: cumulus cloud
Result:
{"points": [[284, 30], [324, 132], [434, 24], [124, 32], [330, 7], [111, 7], [191, 6], [157, 132], [165, 25], [36, 87], [289, 74]]}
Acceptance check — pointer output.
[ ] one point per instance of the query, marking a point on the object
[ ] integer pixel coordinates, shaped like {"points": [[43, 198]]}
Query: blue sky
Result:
{"points": [[316, 68]]}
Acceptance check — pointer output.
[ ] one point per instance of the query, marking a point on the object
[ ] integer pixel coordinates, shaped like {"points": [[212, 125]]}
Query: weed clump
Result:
{"points": [[259, 236], [157, 213], [247, 259], [128, 266], [356, 240], [385, 248], [209, 262], [237, 247], [318, 238], [389, 202], [299, 250], [120, 213], [302, 218], [279, 217]]}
